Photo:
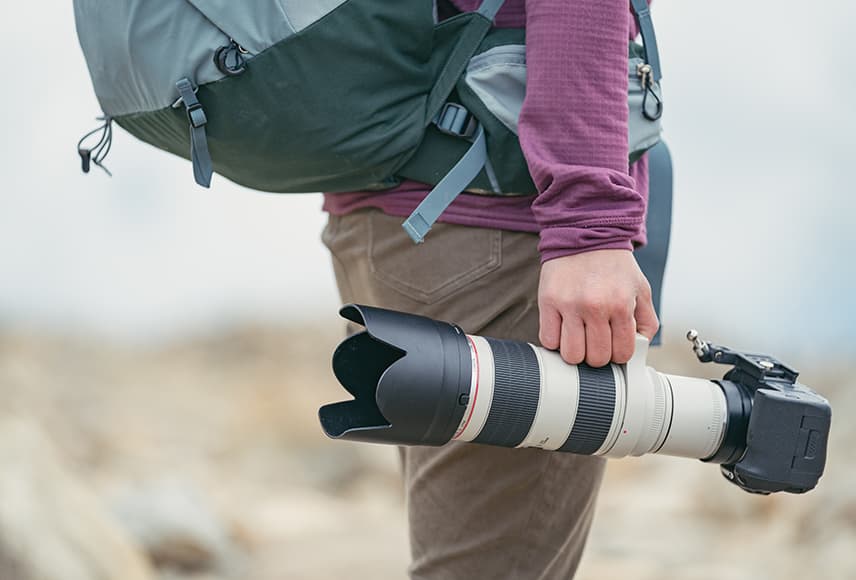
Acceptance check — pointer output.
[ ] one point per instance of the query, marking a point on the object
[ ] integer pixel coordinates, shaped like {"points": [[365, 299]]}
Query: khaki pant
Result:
{"points": [[475, 511]]}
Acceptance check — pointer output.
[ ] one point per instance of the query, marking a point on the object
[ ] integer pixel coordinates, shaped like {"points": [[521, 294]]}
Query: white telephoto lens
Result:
{"points": [[557, 405], [699, 418], [644, 417], [526, 396]]}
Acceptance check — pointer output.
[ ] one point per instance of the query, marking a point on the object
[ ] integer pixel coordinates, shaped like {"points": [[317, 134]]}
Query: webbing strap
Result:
{"points": [[438, 199], [649, 39], [199, 154], [489, 8], [471, 163], [467, 44]]}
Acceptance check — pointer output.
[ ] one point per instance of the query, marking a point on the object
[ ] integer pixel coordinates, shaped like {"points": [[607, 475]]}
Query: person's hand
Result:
{"points": [[593, 304]]}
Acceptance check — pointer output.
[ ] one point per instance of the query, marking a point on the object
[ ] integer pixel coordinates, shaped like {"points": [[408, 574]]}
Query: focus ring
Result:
{"points": [[516, 390], [594, 411]]}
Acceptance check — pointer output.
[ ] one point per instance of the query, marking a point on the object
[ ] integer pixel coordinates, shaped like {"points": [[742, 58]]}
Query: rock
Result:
{"points": [[177, 528], [52, 527]]}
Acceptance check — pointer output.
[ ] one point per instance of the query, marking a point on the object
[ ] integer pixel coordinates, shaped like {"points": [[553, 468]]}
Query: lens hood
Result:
{"points": [[409, 375]]}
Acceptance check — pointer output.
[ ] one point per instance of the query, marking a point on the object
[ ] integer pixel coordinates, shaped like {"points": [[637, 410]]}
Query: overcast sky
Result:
{"points": [[759, 115]]}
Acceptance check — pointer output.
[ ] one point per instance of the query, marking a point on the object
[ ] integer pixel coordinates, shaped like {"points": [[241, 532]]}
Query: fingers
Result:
{"points": [[646, 317], [623, 336], [573, 343], [550, 322], [594, 332], [592, 304], [598, 341]]}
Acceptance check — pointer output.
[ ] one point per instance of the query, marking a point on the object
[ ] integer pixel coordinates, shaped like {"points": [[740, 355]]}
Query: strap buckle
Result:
{"points": [[196, 115], [454, 119]]}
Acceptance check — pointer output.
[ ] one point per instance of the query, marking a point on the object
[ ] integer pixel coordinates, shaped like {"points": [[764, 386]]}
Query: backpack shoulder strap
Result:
{"points": [[649, 39]]}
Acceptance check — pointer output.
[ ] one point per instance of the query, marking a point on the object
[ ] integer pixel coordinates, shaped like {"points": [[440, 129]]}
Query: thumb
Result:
{"points": [[646, 317]]}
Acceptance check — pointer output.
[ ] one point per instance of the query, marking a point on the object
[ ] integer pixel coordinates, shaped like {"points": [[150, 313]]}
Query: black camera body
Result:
{"points": [[780, 427]]}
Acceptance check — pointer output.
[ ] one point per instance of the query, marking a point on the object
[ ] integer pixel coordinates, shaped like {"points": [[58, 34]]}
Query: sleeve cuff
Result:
{"points": [[557, 242]]}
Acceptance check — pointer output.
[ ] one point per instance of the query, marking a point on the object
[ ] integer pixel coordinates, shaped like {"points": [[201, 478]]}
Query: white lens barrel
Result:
{"points": [[699, 418], [557, 405], [526, 396], [563, 407]]}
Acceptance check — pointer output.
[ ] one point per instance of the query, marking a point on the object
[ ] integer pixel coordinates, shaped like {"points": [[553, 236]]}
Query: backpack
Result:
{"points": [[291, 96]]}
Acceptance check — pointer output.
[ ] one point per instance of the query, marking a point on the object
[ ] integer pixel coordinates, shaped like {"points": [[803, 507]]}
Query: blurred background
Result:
{"points": [[164, 348]]}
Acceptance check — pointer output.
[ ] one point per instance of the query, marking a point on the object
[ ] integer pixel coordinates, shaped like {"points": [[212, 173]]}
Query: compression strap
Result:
{"points": [[199, 154], [444, 193]]}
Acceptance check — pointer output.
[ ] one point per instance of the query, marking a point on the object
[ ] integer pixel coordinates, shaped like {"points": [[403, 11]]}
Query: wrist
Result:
{"points": [[557, 242]]}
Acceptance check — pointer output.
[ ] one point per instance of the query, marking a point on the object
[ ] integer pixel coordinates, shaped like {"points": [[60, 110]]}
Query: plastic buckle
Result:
{"points": [[196, 115], [454, 119]]}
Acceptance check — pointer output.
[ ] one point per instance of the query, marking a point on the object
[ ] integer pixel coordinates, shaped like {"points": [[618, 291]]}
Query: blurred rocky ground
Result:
{"points": [[203, 460]]}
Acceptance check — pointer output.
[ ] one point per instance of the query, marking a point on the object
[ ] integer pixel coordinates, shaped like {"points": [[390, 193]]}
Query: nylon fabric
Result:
{"points": [[254, 24], [444, 193], [132, 68], [466, 43], [439, 152], [498, 77], [259, 24], [478, 25], [136, 50], [364, 127]]}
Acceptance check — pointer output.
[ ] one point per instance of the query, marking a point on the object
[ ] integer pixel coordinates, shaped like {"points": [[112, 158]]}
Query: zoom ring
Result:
{"points": [[517, 387], [594, 411]]}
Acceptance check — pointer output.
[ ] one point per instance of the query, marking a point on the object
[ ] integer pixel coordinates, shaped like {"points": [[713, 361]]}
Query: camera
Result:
{"points": [[417, 381]]}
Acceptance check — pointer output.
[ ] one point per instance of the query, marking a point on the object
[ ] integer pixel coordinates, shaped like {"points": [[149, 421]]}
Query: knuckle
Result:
{"points": [[594, 307], [546, 296], [567, 301], [623, 309]]}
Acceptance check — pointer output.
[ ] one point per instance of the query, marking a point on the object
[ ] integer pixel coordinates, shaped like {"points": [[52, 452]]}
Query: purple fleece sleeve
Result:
{"points": [[573, 126]]}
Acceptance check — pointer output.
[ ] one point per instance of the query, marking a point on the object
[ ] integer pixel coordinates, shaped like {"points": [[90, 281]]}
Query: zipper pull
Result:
{"points": [[646, 78], [645, 73], [230, 60]]}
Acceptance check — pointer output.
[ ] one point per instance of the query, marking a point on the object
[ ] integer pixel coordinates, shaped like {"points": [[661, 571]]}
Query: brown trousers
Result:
{"points": [[475, 511]]}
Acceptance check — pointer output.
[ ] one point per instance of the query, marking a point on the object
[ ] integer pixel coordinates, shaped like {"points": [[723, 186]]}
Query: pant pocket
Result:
{"points": [[451, 258]]}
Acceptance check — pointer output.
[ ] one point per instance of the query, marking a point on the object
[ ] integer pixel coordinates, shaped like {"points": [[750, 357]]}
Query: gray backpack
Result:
{"points": [[293, 96]]}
